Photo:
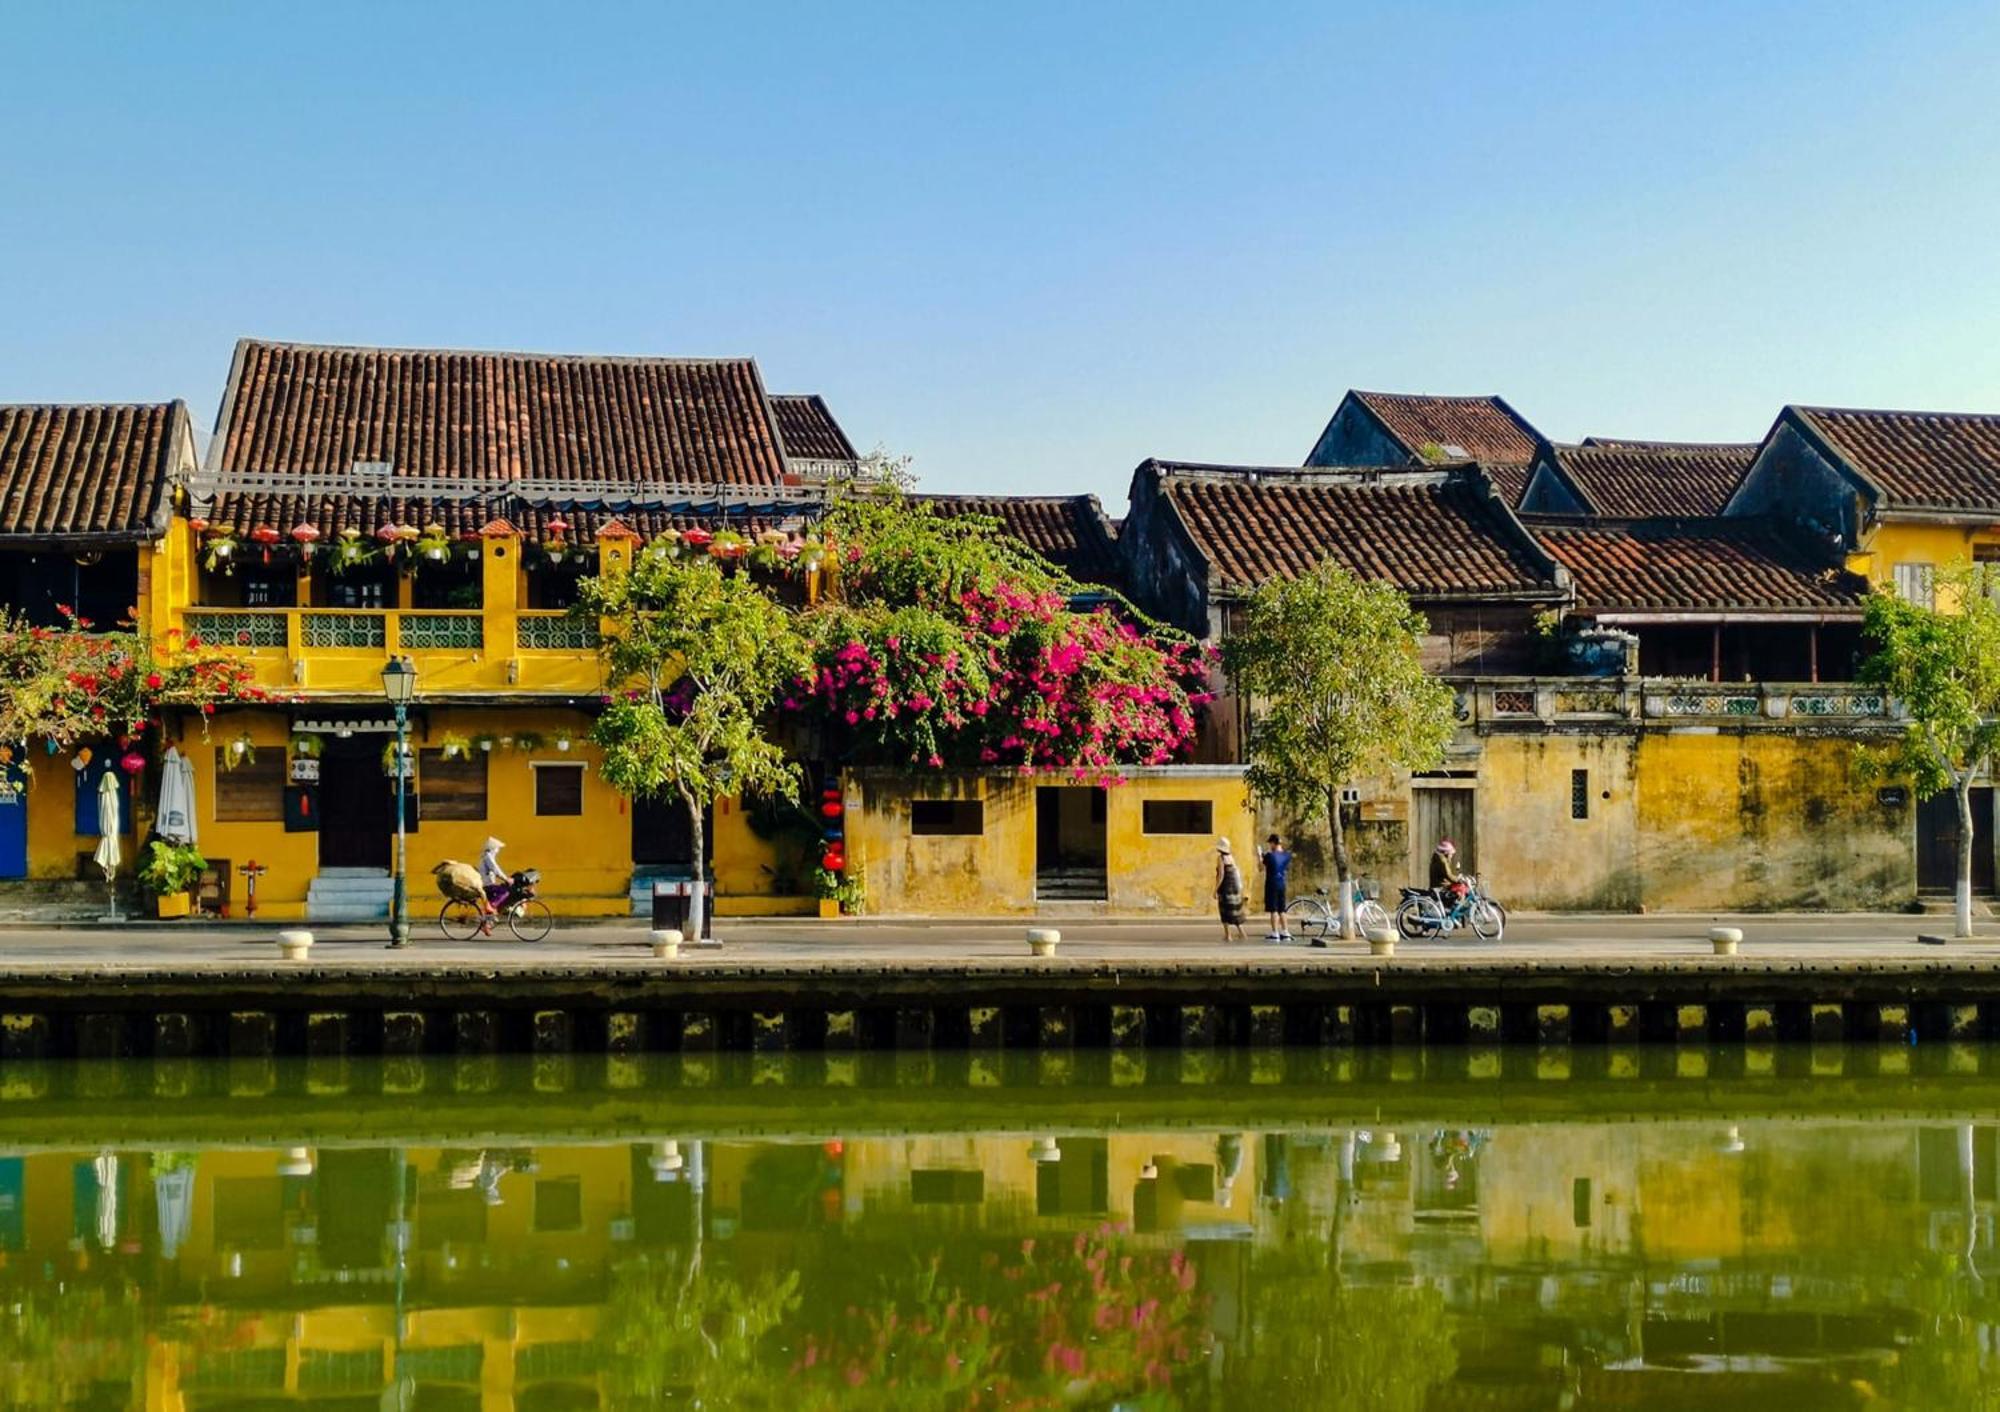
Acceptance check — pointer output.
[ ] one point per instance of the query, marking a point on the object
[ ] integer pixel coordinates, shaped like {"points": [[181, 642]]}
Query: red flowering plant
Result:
{"points": [[942, 642], [1083, 1321], [69, 684]]}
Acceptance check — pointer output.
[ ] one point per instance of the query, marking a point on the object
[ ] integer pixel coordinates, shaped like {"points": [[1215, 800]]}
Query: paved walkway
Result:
{"points": [[1845, 939]]}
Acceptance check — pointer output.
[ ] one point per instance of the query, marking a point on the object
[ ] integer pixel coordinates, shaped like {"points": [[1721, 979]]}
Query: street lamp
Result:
{"points": [[399, 684]]}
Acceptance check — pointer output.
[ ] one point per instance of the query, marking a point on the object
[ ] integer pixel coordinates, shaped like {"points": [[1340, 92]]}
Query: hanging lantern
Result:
{"points": [[696, 537], [306, 536], [556, 525], [197, 524], [132, 763], [387, 534], [264, 534]]}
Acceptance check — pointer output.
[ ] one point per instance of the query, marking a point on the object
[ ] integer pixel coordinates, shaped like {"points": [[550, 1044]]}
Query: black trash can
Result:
{"points": [[671, 904]]}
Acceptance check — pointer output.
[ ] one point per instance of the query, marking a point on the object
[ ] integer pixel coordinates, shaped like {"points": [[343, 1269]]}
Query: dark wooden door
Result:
{"points": [[357, 813], [1438, 814], [662, 837], [1937, 842]]}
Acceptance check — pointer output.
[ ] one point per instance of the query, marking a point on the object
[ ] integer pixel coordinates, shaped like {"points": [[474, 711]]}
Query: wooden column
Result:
{"points": [[1715, 653]]}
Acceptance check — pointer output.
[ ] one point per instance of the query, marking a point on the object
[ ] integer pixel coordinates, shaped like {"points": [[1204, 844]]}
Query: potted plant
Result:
{"points": [[220, 555], [556, 546], [840, 894], [351, 551], [170, 872], [308, 746], [528, 742], [483, 741], [434, 545], [453, 746], [389, 759], [240, 751], [563, 739]]}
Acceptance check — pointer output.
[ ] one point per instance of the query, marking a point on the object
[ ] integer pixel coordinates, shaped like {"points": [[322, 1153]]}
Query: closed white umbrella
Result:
{"points": [[176, 818], [110, 823], [174, 1191], [107, 1199]]}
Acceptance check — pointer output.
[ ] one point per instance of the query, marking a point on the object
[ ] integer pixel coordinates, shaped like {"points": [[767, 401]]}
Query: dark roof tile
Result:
{"points": [[1436, 535], [1921, 460], [809, 429], [1484, 429], [311, 410], [1634, 479], [69, 470], [1696, 565]]}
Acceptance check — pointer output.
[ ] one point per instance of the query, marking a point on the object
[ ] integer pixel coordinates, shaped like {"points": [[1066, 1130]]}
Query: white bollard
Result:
{"points": [[293, 945], [1042, 941], [1381, 943], [667, 943], [1725, 939]]}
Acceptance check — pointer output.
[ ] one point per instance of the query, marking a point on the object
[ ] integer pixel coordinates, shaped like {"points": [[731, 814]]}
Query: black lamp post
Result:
{"points": [[399, 684]]}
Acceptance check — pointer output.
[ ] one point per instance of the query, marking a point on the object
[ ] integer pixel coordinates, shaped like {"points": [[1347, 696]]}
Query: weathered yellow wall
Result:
{"points": [[1532, 853], [1767, 821], [1893, 544], [993, 873]]}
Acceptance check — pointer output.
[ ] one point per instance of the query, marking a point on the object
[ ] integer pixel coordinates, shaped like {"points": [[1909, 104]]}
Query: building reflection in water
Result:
{"points": [[1544, 1263]]}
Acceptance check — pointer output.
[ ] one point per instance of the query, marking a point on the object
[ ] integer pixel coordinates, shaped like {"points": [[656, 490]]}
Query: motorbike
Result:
{"points": [[1428, 912]]}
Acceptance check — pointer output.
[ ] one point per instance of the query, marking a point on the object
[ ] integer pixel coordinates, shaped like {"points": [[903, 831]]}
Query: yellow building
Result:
{"points": [[360, 505]]}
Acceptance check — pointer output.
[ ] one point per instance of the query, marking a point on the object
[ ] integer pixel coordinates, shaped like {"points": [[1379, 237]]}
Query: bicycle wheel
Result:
{"points": [[1369, 915], [1489, 920], [459, 920], [1311, 918], [1420, 917], [531, 920]]}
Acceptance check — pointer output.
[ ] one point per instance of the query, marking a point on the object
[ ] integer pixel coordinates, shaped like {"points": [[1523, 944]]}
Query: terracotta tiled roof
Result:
{"points": [[809, 429], [461, 518], [88, 470], [1069, 531], [1696, 565], [1433, 534], [1921, 460], [315, 410], [1632, 479], [1484, 429]]}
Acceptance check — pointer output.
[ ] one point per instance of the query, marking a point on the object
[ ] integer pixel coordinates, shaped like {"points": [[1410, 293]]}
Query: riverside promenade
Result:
{"points": [[222, 990]]}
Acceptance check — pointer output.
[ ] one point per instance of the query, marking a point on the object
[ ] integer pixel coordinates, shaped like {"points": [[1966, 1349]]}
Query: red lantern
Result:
{"points": [[832, 809], [833, 860], [132, 763]]}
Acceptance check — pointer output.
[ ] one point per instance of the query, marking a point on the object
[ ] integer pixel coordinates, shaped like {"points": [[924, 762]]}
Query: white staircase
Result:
{"points": [[350, 895]]}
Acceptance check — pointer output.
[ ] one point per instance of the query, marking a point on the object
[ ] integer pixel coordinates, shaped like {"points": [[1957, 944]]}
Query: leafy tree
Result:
{"points": [[689, 1335], [695, 657], [1330, 666], [1942, 666]]}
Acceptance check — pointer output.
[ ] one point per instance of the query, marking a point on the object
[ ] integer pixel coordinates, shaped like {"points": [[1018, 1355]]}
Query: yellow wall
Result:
{"points": [[993, 873], [1910, 543]]}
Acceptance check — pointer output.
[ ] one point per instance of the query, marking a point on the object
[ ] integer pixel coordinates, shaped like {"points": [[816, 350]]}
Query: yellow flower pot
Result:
{"points": [[175, 904], [829, 909]]}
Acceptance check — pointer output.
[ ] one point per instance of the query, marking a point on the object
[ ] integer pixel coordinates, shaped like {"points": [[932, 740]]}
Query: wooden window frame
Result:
{"points": [[540, 765]]}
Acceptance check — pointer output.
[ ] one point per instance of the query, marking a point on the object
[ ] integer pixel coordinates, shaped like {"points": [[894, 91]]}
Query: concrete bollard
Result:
{"points": [[667, 943], [1042, 941], [293, 945], [1381, 940], [1725, 939]]}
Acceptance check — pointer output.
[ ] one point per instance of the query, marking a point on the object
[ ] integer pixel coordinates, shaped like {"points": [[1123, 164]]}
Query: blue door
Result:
{"points": [[13, 822]]}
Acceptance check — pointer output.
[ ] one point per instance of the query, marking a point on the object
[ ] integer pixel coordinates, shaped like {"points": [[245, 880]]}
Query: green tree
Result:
{"points": [[1941, 665], [695, 658], [1329, 665]]}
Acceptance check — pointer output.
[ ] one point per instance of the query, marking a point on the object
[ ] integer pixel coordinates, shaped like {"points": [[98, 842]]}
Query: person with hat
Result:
{"points": [[1446, 880], [1229, 895], [494, 880]]}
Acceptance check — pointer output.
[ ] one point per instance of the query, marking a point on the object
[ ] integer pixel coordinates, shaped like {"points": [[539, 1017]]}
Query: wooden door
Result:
{"points": [[1439, 814], [13, 822], [1937, 842], [357, 808]]}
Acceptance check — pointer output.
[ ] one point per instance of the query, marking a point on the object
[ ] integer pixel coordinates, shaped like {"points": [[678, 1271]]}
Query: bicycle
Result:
{"points": [[1422, 914], [526, 915], [1315, 919]]}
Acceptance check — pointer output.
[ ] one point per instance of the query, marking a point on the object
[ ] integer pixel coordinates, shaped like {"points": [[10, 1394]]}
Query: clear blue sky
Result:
{"points": [[1030, 244]]}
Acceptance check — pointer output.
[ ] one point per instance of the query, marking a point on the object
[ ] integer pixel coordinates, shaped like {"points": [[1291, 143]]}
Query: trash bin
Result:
{"points": [[672, 901]]}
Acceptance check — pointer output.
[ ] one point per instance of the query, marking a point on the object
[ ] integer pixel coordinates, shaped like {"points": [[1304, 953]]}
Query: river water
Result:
{"points": [[1719, 1229]]}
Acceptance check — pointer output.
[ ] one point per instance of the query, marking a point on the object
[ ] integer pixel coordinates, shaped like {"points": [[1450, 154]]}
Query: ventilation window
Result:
{"points": [[1579, 794], [1178, 816], [947, 816]]}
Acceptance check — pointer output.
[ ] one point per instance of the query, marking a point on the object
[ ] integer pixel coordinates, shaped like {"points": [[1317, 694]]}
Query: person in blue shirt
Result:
{"points": [[1277, 861]]}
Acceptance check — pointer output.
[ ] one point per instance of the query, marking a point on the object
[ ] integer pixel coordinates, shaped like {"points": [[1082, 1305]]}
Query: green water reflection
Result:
{"points": [[1805, 1228]]}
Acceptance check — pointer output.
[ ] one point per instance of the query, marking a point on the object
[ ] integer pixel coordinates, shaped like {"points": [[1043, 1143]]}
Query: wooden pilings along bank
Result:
{"points": [[403, 1010]]}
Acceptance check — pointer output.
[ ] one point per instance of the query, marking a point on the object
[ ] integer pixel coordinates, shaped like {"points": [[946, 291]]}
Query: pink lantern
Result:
{"points": [[264, 534], [132, 763]]}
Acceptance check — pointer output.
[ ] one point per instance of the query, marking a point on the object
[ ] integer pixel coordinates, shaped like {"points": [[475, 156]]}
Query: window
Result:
{"points": [[252, 792], [947, 1186], [558, 789], [947, 816], [1177, 816], [1916, 583], [559, 1204], [452, 789], [1579, 794]]}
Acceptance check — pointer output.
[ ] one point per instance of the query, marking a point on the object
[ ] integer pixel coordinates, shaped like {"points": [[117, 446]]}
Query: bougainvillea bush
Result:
{"points": [[942, 643], [1081, 1321], [70, 684]]}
